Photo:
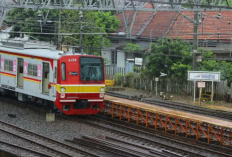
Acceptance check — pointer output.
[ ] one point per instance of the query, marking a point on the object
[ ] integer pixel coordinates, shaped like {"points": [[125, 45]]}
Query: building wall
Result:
{"points": [[107, 54], [121, 60]]}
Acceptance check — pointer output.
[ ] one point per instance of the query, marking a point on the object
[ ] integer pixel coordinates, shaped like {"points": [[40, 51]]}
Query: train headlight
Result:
{"points": [[102, 89], [62, 89], [101, 95]]}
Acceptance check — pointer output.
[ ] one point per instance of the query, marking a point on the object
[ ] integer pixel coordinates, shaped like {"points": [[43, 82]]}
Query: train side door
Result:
{"points": [[20, 73], [45, 80]]}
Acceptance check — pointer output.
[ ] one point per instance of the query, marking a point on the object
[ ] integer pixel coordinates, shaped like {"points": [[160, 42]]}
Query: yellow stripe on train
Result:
{"points": [[81, 89], [8, 75], [31, 80]]}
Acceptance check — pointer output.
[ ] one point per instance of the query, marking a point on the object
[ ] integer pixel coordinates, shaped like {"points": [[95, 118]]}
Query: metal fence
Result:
{"points": [[171, 87], [110, 70]]}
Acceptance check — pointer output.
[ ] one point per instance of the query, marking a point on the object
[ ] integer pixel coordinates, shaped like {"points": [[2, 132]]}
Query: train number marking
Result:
{"points": [[73, 73]]}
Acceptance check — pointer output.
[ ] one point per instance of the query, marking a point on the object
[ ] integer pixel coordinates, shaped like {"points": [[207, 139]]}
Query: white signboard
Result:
{"points": [[138, 61], [204, 76], [201, 84]]}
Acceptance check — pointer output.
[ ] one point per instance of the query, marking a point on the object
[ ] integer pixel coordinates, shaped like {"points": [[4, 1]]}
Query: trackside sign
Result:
{"points": [[204, 76]]}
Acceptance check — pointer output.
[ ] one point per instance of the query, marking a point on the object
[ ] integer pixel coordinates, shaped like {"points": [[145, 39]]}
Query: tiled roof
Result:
{"points": [[211, 24], [129, 16], [140, 19], [160, 24], [179, 27]]}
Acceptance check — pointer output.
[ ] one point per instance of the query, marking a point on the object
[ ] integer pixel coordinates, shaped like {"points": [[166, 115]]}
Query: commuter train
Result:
{"points": [[72, 83]]}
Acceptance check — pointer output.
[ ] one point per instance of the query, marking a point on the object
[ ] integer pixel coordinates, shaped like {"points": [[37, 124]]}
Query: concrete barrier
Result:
{"points": [[50, 117]]}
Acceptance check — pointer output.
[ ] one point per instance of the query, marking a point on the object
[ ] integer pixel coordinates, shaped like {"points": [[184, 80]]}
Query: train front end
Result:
{"points": [[80, 84]]}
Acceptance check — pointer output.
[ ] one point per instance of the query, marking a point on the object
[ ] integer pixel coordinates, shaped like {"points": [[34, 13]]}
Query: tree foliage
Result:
{"points": [[172, 57], [131, 48], [28, 21], [209, 64], [208, 2], [98, 22]]}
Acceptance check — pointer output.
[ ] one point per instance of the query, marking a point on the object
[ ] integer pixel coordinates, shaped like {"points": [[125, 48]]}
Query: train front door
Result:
{"points": [[20, 73], [45, 80]]}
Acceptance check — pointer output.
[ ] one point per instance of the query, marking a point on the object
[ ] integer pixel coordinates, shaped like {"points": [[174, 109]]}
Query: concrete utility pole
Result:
{"points": [[195, 22], [195, 40], [81, 35], [59, 28]]}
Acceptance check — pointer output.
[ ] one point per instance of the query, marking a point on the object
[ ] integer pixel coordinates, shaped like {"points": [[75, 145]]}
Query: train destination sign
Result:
{"points": [[204, 76]]}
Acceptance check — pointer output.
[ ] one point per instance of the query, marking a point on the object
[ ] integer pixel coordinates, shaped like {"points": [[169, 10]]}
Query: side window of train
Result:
{"points": [[63, 71], [32, 69], [8, 65]]}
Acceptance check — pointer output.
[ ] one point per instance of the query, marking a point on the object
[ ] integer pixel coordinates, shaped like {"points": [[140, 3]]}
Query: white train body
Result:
{"points": [[35, 74]]}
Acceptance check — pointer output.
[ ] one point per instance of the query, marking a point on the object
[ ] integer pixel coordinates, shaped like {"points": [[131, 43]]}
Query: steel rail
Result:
{"points": [[165, 136], [98, 147], [36, 143], [174, 139], [49, 139], [26, 149]]}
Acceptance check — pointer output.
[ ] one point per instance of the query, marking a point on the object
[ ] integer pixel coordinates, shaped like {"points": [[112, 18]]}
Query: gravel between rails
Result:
{"points": [[35, 121]]}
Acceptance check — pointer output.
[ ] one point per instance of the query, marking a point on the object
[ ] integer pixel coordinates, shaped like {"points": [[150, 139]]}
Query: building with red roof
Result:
{"points": [[214, 31]]}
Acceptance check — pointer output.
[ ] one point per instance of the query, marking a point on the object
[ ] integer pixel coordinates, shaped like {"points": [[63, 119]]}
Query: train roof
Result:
{"points": [[38, 52]]}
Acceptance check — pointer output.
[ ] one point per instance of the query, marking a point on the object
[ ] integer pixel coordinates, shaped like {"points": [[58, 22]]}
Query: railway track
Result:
{"points": [[127, 138], [125, 135], [23, 151], [35, 144], [178, 106]]}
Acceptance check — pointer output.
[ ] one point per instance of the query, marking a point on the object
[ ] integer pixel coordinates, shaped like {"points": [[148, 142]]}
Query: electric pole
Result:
{"points": [[195, 40], [81, 35], [195, 22], [59, 28]]}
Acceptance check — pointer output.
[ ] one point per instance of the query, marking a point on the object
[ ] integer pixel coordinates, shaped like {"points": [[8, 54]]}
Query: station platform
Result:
{"points": [[177, 122]]}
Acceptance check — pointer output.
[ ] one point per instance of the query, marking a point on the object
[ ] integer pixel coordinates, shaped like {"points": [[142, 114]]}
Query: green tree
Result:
{"points": [[92, 22], [208, 2], [28, 21], [131, 48], [172, 57], [210, 64]]}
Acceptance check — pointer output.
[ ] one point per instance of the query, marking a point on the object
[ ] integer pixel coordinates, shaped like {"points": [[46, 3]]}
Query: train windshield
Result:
{"points": [[91, 69]]}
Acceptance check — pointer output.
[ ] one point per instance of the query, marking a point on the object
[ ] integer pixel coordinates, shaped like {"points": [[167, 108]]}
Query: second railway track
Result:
{"points": [[128, 137]]}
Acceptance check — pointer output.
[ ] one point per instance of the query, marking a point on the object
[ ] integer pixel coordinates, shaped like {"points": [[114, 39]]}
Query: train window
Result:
{"points": [[63, 71], [8, 65], [91, 69], [46, 70], [32, 69]]}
